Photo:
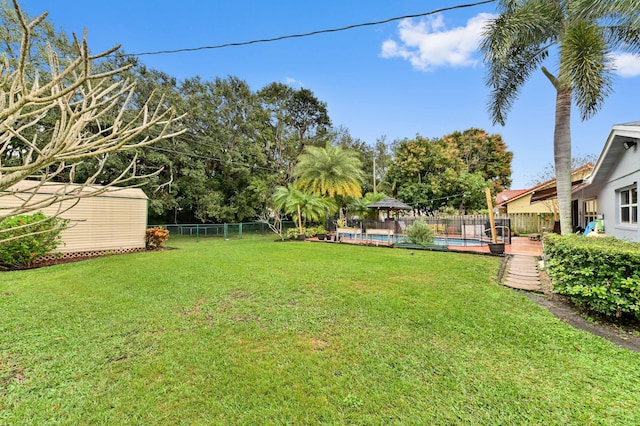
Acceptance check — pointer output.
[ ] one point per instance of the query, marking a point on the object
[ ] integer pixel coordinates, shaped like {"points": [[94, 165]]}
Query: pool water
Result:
{"points": [[438, 241]]}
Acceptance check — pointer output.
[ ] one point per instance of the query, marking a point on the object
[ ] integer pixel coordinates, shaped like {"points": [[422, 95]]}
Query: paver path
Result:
{"points": [[522, 273]]}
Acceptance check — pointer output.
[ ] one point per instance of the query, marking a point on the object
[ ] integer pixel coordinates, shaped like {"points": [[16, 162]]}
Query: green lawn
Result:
{"points": [[256, 332]]}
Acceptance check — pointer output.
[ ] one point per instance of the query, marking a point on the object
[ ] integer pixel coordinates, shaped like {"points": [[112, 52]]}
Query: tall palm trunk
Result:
{"points": [[562, 157]]}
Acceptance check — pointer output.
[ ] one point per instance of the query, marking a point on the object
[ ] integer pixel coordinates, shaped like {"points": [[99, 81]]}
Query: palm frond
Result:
{"points": [[623, 37], [606, 12], [587, 62], [331, 171], [514, 45]]}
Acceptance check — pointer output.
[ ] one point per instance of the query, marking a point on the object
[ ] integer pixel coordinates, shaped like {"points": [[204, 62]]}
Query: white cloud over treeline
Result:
{"points": [[428, 44]]}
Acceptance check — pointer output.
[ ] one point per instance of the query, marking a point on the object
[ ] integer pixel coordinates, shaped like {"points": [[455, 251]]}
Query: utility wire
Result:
{"points": [[312, 33]]}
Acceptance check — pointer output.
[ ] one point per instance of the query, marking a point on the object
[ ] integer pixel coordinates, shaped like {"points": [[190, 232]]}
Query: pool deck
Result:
{"points": [[519, 245]]}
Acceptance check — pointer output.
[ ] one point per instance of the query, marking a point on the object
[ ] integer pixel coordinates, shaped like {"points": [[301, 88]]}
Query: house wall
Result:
{"points": [[115, 220], [524, 205], [626, 173]]}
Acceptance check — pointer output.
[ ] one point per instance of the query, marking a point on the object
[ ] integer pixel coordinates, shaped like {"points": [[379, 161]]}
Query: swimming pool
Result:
{"points": [[441, 241]]}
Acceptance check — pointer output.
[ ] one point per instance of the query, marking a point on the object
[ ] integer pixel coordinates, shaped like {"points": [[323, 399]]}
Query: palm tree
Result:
{"points": [[585, 34], [331, 171], [360, 206], [307, 206]]}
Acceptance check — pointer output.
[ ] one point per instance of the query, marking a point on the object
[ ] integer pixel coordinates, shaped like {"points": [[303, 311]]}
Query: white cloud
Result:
{"points": [[626, 64], [429, 44], [293, 82]]}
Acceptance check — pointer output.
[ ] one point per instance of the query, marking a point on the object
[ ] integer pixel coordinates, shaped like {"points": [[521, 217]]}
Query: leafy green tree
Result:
{"points": [[486, 154], [375, 159], [425, 172], [308, 116], [583, 34], [450, 171], [291, 120]]}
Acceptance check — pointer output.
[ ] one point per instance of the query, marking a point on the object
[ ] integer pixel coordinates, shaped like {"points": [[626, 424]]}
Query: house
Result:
{"points": [[112, 221], [535, 209], [610, 191]]}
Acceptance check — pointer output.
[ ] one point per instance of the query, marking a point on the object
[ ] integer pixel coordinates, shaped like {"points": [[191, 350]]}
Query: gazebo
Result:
{"points": [[390, 204]]}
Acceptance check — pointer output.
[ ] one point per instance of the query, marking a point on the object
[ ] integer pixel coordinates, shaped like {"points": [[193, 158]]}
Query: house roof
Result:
{"points": [[613, 148], [543, 194], [506, 195], [547, 190], [390, 204]]}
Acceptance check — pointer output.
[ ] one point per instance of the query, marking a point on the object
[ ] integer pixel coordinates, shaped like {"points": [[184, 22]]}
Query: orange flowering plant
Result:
{"points": [[156, 236]]}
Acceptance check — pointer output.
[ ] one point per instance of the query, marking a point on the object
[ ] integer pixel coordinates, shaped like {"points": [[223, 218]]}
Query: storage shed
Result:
{"points": [[114, 220]]}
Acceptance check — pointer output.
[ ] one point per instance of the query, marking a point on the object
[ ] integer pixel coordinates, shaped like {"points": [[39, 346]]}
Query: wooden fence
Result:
{"points": [[529, 223]]}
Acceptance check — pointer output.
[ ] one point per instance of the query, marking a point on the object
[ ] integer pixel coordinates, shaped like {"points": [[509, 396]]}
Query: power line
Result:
{"points": [[312, 33]]}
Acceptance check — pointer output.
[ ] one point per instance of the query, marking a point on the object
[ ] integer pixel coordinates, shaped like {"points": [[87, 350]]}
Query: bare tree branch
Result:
{"points": [[93, 115]]}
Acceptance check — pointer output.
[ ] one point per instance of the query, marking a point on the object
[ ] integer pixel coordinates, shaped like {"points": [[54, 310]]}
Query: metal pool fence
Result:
{"points": [[469, 227], [221, 230], [473, 228]]}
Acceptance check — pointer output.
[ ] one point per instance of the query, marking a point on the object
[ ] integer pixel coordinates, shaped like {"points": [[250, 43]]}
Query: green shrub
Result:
{"points": [[601, 274], [420, 233], [312, 231], [26, 237], [291, 234], [156, 236]]}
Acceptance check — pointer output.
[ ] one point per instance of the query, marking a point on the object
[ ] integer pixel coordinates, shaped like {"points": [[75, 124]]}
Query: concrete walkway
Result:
{"points": [[522, 273]]}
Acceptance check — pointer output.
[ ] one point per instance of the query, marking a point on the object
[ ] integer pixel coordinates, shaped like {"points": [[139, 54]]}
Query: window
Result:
{"points": [[628, 206], [590, 211]]}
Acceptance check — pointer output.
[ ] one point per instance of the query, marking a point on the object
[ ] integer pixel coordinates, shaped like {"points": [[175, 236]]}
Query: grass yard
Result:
{"points": [[256, 332]]}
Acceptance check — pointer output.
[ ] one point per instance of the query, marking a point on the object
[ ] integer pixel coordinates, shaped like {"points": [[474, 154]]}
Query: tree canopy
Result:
{"points": [[221, 150], [58, 114], [450, 171]]}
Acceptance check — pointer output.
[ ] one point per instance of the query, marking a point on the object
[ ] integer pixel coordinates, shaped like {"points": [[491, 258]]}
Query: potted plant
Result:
{"points": [[496, 248], [321, 233]]}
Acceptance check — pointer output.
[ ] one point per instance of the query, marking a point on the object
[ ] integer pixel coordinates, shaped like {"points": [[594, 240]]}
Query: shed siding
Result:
{"points": [[103, 223], [114, 220]]}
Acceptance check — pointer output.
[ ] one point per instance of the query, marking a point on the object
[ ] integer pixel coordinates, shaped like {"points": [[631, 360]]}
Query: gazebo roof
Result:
{"points": [[390, 204]]}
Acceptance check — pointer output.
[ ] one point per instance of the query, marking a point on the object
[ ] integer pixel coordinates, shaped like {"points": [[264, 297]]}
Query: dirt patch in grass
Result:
{"points": [[625, 333]]}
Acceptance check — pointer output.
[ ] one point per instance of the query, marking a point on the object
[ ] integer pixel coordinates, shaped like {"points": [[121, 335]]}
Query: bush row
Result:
{"points": [[25, 237], [601, 274], [312, 231]]}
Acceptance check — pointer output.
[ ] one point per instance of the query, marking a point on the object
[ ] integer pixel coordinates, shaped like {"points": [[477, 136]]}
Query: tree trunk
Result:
{"points": [[299, 220], [562, 157]]}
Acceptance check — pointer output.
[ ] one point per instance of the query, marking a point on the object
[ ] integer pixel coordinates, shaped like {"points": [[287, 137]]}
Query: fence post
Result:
{"points": [[226, 231], [240, 231]]}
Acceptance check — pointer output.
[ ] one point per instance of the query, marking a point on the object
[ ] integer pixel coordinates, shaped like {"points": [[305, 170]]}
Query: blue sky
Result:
{"points": [[421, 76]]}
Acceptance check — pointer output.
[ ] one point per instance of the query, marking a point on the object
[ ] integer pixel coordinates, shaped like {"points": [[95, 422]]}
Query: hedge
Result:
{"points": [[601, 274], [26, 237]]}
